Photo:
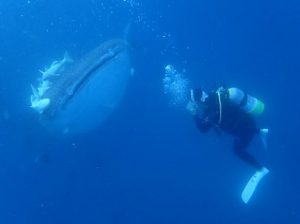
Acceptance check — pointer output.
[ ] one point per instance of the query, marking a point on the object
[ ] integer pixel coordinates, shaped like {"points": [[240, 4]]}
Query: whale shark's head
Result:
{"points": [[87, 91]]}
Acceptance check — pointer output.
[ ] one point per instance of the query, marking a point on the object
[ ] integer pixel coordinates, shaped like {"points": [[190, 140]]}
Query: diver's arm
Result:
{"points": [[203, 124]]}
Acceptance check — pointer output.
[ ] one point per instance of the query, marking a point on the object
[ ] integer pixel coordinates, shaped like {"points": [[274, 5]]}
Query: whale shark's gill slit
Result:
{"points": [[85, 78]]}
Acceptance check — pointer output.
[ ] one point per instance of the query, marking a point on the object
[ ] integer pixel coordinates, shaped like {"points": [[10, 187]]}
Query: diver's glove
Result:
{"points": [[192, 107]]}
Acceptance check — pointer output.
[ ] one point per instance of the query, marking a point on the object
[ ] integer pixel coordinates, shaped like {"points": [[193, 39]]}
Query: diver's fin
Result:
{"points": [[252, 184], [263, 132]]}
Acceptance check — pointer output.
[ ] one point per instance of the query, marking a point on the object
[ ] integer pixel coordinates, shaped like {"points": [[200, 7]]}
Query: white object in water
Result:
{"points": [[252, 184], [56, 67], [39, 104], [169, 69], [44, 86]]}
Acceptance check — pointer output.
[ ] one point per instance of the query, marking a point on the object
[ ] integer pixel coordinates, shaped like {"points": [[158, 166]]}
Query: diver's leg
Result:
{"points": [[240, 149], [241, 143]]}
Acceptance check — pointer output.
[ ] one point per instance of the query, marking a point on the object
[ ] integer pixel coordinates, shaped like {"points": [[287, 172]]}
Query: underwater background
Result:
{"points": [[148, 163]]}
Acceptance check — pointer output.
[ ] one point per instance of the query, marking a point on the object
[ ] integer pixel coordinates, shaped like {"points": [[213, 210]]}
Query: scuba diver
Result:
{"points": [[232, 111]]}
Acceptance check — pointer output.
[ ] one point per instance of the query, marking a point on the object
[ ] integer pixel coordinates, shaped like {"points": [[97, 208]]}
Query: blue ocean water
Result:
{"points": [[148, 163]]}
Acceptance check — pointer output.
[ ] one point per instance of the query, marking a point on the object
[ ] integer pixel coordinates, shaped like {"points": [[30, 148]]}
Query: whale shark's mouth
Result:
{"points": [[95, 81]]}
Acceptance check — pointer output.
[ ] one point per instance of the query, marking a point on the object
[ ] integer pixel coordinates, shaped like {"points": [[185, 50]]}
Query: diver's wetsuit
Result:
{"points": [[234, 121]]}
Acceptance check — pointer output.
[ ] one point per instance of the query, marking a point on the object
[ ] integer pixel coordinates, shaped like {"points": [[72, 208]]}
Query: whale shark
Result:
{"points": [[86, 92]]}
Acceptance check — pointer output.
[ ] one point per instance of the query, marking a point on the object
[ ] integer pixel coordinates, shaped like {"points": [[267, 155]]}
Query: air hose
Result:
{"points": [[220, 106]]}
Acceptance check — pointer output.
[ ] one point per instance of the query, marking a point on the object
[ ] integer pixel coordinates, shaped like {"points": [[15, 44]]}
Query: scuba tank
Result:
{"points": [[248, 103]]}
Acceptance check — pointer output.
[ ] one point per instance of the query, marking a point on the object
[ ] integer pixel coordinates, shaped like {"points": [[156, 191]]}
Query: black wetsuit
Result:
{"points": [[234, 121]]}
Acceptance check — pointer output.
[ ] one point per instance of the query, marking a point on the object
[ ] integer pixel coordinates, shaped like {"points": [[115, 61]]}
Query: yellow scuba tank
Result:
{"points": [[248, 103]]}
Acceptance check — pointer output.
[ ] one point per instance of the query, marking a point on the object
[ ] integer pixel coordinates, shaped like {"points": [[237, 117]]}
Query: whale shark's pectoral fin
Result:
{"points": [[67, 58], [39, 104]]}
